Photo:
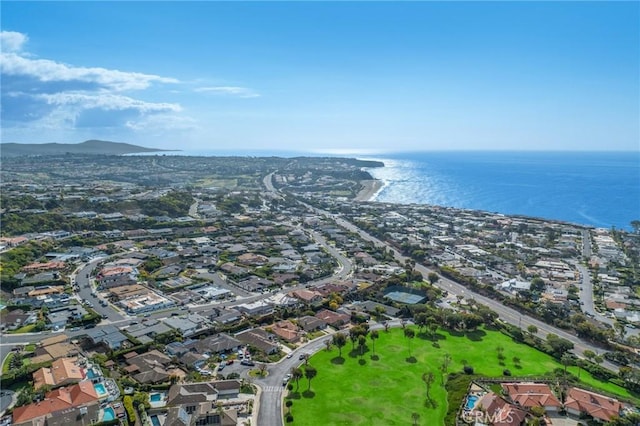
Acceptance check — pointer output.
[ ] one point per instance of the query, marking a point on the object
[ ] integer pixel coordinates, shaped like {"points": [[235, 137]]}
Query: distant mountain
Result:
{"points": [[87, 147]]}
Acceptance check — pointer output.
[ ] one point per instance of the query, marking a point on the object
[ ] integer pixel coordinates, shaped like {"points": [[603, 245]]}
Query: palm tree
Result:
{"points": [[306, 359], [296, 374], [327, 343], [310, 372], [409, 334], [339, 340], [374, 335], [353, 336], [415, 417], [427, 378], [362, 341]]}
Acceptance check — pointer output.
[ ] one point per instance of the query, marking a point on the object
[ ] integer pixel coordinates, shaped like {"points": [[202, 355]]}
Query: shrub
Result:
{"points": [[506, 372], [468, 369], [289, 418]]}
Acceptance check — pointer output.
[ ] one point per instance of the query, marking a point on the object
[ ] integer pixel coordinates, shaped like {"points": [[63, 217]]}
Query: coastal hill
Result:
{"points": [[87, 147]]}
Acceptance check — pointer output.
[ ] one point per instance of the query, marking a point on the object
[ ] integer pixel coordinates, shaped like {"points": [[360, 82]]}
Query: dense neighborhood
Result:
{"points": [[167, 290]]}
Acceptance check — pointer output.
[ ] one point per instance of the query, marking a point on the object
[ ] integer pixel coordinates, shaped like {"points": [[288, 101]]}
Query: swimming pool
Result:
{"points": [[155, 421], [155, 397], [91, 373], [108, 414], [471, 402], [100, 390]]}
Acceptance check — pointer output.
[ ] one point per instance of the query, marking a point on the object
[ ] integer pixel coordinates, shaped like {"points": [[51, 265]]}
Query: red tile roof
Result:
{"points": [[60, 399], [596, 405], [531, 394]]}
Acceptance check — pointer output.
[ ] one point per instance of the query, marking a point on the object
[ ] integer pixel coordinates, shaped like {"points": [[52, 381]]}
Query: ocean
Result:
{"points": [[600, 189]]}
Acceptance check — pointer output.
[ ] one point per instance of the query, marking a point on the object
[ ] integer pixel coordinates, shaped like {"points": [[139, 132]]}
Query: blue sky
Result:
{"points": [[353, 76]]}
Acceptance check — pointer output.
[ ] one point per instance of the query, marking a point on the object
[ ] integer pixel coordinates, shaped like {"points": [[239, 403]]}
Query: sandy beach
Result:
{"points": [[369, 189]]}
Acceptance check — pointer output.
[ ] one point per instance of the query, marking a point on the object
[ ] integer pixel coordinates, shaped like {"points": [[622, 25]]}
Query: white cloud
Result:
{"points": [[241, 92], [47, 94], [46, 70], [162, 122], [11, 41], [106, 101]]}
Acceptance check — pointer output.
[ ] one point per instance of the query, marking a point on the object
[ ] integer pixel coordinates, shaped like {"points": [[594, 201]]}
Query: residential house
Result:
{"points": [[16, 319], [308, 297], [287, 331], [333, 319], [309, 323], [529, 395], [494, 410], [73, 405], [108, 336], [217, 344], [151, 367], [191, 394], [63, 372], [115, 276], [600, 407], [259, 339], [256, 308], [203, 414]]}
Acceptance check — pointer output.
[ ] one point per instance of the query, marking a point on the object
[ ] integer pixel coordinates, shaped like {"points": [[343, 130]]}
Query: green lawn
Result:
{"points": [[25, 329], [387, 390], [7, 362]]}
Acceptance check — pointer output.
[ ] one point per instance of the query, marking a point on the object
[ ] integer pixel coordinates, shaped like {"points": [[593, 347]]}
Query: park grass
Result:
{"points": [[388, 388]]}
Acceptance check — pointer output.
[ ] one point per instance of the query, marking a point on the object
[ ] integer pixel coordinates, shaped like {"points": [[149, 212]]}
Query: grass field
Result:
{"points": [[387, 389]]}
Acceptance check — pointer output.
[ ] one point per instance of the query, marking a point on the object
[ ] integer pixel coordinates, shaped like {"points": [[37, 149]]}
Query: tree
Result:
{"points": [[537, 285], [353, 336], [409, 334], [415, 417], [262, 368], [339, 340], [305, 357], [532, 329], [433, 277], [620, 328], [589, 354], [26, 395], [374, 335], [362, 341], [629, 419], [427, 378], [558, 345], [500, 350], [310, 372], [327, 344], [296, 374]]}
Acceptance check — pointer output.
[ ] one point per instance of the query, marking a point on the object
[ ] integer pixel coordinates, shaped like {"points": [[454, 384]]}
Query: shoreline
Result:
{"points": [[370, 188]]}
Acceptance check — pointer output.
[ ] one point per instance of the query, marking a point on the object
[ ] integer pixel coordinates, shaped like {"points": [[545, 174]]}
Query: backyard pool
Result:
{"points": [[155, 421], [155, 397], [108, 414], [100, 390], [471, 402]]}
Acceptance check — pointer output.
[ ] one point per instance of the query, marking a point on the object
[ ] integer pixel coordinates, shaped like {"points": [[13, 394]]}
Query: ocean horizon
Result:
{"points": [[593, 188]]}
